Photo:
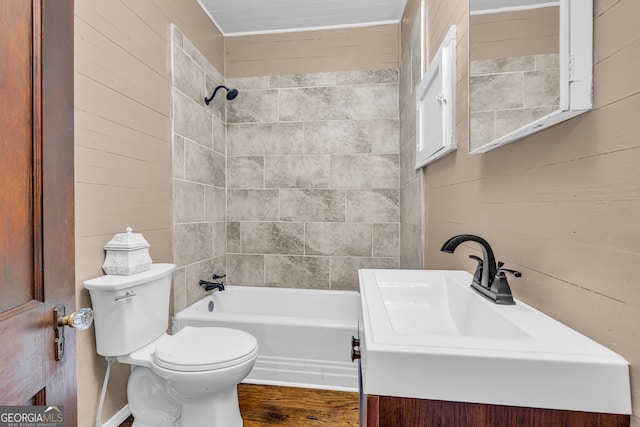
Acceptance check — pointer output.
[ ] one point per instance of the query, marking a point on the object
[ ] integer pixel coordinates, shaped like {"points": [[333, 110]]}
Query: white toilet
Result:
{"points": [[188, 379]]}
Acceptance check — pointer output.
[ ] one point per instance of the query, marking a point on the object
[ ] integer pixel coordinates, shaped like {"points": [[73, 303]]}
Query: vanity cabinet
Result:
{"points": [[388, 411]]}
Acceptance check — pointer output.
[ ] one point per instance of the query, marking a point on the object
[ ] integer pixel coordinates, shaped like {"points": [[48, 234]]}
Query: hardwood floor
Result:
{"points": [[266, 406], [263, 406]]}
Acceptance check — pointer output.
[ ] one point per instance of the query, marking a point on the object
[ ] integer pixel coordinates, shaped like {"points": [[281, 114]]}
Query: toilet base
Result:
{"points": [[221, 409], [154, 403]]}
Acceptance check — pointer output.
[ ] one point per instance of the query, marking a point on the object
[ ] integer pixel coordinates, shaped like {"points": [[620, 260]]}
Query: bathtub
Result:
{"points": [[304, 335]]}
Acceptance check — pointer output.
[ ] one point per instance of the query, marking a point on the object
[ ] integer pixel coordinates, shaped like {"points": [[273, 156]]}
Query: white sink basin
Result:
{"points": [[426, 334]]}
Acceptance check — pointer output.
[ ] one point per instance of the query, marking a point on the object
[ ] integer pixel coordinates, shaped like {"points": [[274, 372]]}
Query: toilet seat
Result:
{"points": [[194, 349]]}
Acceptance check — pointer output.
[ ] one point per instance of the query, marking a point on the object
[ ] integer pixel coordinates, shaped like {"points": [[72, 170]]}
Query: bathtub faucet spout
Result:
{"points": [[209, 286]]}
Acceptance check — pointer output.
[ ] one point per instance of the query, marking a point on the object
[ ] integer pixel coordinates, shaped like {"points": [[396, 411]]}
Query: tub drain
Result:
{"points": [[210, 306]]}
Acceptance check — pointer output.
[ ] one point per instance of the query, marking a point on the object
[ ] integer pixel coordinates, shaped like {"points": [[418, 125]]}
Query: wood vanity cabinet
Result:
{"points": [[387, 411]]}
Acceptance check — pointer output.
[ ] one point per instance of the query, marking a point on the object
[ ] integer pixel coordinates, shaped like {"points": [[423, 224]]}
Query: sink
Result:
{"points": [[426, 334]]}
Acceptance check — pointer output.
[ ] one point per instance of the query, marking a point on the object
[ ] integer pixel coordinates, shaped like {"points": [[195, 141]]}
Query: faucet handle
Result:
{"points": [[477, 277], [218, 276], [512, 272]]}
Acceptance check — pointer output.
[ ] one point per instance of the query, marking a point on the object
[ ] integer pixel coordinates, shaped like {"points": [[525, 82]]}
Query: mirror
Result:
{"points": [[530, 67]]}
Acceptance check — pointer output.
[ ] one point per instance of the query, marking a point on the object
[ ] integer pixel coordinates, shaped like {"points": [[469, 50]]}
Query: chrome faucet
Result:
{"points": [[208, 286], [489, 280]]}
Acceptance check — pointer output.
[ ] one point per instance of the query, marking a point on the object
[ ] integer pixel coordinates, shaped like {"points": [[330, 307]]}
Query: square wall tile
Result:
{"points": [[272, 238], [253, 205], [331, 239], [312, 205], [297, 272], [297, 171], [245, 270]]}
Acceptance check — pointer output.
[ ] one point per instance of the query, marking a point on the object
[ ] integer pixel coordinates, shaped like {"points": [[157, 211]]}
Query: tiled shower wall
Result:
{"points": [[199, 172], [295, 183], [313, 178], [410, 179], [507, 93]]}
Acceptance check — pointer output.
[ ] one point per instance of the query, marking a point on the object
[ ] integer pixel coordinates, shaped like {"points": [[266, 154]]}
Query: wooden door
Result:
{"points": [[36, 202]]}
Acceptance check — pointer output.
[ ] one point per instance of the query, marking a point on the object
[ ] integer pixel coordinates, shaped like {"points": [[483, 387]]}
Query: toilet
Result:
{"points": [[188, 379]]}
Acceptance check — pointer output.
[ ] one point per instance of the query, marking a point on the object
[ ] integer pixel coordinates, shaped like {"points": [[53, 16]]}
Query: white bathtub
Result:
{"points": [[304, 336]]}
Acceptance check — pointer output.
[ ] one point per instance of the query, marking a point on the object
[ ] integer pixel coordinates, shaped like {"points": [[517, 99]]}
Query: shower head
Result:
{"points": [[231, 93]]}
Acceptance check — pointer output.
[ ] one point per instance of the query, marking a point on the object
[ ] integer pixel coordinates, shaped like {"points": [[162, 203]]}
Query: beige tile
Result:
{"points": [[311, 205], [202, 61], [502, 65], [191, 120], [177, 161], [178, 292], [297, 171], [219, 239], [204, 165], [344, 270], [351, 136], [248, 83], [337, 137], [385, 136], [302, 80], [407, 121], [272, 238], [245, 270], [542, 88], [367, 77], [547, 61], [215, 203], [253, 205], [495, 92], [192, 243], [233, 237], [202, 271], [188, 77], [411, 203], [188, 202], [253, 106], [365, 171], [218, 105], [297, 272], [373, 205], [386, 240], [245, 172], [411, 245], [262, 139], [482, 129], [177, 36], [331, 238], [341, 102], [219, 136], [408, 171]]}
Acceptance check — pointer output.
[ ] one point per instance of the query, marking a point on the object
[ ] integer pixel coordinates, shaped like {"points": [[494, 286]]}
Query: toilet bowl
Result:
{"points": [[188, 379]]}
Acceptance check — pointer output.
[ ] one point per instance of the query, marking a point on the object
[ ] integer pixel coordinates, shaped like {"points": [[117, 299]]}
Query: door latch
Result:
{"points": [[80, 319]]}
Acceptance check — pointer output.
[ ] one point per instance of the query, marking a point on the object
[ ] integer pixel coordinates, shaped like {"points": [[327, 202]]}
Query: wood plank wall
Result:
{"points": [[343, 49], [517, 33], [122, 147], [562, 206]]}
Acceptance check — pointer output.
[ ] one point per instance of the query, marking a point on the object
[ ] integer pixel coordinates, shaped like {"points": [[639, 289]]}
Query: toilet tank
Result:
{"points": [[130, 311]]}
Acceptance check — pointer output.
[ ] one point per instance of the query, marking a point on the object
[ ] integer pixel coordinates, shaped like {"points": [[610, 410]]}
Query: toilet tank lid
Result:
{"points": [[111, 282]]}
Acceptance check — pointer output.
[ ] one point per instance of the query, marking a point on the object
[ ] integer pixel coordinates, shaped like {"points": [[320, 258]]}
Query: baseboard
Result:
{"points": [[118, 418]]}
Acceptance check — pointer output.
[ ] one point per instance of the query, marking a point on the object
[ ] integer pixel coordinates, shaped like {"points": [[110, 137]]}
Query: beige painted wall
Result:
{"points": [[122, 147], [562, 206], [122, 126], [520, 33], [345, 49]]}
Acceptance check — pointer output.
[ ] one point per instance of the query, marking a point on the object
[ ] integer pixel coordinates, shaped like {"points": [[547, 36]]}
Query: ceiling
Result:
{"points": [[242, 17]]}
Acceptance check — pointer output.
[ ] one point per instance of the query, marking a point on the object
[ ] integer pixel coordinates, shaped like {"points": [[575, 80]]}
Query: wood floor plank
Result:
{"points": [[263, 406], [266, 406]]}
